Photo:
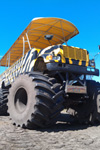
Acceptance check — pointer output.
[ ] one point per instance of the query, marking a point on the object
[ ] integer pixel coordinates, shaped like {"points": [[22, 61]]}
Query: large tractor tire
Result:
{"points": [[89, 111], [94, 94], [3, 101], [34, 100]]}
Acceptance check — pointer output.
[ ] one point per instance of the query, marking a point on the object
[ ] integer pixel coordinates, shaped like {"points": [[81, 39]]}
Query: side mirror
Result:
{"points": [[99, 47], [48, 37]]}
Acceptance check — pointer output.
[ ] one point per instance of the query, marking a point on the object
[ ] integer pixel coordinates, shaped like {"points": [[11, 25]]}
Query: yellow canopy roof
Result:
{"points": [[61, 30]]}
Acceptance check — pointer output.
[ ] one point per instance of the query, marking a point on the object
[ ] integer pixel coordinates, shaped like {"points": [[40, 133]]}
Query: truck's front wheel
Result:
{"points": [[34, 100]]}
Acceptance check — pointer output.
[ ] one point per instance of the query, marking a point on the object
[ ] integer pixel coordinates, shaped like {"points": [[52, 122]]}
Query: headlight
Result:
{"points": [[57, 58], [49, 57]]}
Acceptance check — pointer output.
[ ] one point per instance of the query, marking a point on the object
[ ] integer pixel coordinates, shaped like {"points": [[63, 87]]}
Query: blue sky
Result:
{"points": [[15, 15]]}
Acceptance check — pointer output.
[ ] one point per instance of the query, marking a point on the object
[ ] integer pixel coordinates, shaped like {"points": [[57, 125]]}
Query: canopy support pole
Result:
{"points": [[9, 60], [23, 45], [25, 42], [28, 41]]}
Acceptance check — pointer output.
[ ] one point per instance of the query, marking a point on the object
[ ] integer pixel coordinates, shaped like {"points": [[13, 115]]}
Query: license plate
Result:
{"points": [[75, 89]]}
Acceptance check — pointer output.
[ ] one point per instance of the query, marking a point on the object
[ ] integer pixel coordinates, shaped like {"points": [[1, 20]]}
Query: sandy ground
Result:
{"points": [[62, 136]]}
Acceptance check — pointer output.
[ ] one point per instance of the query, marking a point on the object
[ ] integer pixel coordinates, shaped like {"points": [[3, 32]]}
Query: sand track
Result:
{"points": [[62, 136]]}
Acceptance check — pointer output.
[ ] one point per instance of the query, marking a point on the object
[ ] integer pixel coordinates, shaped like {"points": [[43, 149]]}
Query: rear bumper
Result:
{"points": [[72, 68]]}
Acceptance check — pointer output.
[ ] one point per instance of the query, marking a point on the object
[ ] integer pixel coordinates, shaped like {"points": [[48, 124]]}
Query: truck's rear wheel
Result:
{"points": [[3, 101], [34, 100], [93, 89], [97, 104], [89, 111]]}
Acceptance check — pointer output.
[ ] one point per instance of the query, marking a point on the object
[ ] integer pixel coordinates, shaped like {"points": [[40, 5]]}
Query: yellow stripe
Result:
{"points": [[56, 60], [61, 52], [80, 63], [70, 61]]}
